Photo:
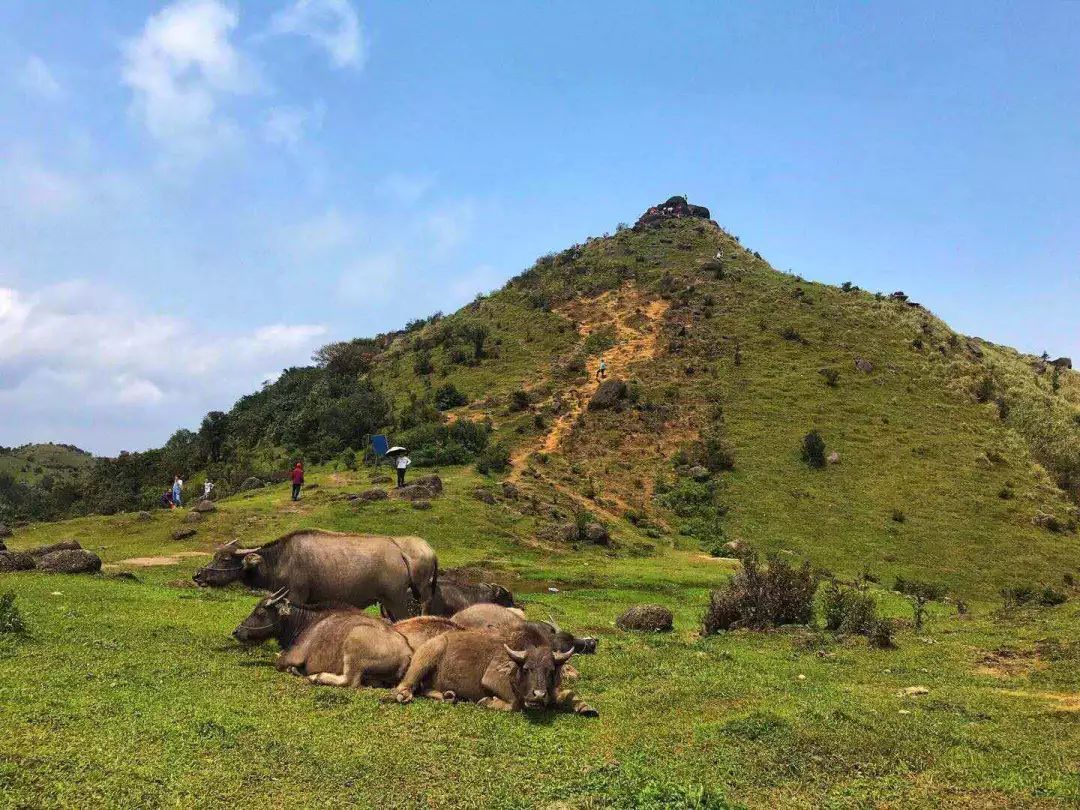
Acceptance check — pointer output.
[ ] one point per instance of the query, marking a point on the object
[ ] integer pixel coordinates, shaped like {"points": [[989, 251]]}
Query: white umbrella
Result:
{"points": [[395, 450]]}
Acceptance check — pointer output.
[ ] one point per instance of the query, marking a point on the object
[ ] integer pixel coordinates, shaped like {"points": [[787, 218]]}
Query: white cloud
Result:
{"points": [[406, 188], [36, 79], [287, 126], [26, 186], [180, 68], [74, 353], [374, 278], [332, 24]]}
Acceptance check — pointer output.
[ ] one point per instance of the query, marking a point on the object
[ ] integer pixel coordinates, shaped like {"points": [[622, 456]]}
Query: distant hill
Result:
{"points": [[942, 453], [30, 463]]}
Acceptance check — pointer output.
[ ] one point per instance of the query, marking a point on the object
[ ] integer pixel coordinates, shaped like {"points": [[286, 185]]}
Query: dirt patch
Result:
{"points": [[150, 562], [711, 559], [1060, 701], [1008, 662]]}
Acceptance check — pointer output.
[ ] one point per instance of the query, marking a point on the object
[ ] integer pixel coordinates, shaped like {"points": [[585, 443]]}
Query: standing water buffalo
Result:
{"points": [[400, 573], [451, 596], [507, 671]]}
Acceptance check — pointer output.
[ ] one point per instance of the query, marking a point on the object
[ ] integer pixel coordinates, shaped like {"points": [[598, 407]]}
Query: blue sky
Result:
{"points": [[194, 195]]}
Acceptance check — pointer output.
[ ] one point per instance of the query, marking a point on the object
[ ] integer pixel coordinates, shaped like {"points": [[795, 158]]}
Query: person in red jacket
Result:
{"points": [[297, 480]]}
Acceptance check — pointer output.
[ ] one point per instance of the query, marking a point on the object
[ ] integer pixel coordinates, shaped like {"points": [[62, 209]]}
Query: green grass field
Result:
{"points": [[133, 693]]}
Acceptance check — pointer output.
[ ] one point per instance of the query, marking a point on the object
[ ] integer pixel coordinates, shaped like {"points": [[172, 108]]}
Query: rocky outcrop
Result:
{"points": [[608, 395], [1062, 362], [672, 208], [251, 483], [422, 489], [15, 561], [70, 561], [205, 507]]}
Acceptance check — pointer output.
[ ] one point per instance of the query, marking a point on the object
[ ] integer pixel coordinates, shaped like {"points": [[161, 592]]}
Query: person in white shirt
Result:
{"points": [[206, 489], [402, 463]]}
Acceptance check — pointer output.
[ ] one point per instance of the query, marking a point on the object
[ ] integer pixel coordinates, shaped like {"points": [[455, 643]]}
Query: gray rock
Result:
{"points": [[144, 515], [510, 490], [183, 534], [1062, 362], [865, 366], [63, 545], [483, 495], [374, 495], [421, 505], [15, 561], [608, 395], [698, 473], [833, 458], [205, 507], [252, 483], [70, 561], [432, 482], [193, 517], [647, 618], [596, 533]]}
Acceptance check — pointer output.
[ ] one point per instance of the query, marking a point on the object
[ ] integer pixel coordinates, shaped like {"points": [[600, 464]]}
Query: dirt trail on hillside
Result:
{"points": [[150, 562], [636, 323]]}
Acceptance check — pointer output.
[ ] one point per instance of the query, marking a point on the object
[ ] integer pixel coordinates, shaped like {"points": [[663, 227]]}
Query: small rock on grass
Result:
{"points": [[914, 691], [183, 534], [648, 618]]}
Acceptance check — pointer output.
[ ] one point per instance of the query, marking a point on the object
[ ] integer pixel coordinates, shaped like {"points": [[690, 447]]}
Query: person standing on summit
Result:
{"points": [[297, 480]]}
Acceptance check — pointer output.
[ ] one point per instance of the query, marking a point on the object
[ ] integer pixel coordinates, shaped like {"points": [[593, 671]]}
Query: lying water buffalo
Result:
{"points": [[320, 639], [497, 617], [400, 573], [508, 671], [452, 596]]}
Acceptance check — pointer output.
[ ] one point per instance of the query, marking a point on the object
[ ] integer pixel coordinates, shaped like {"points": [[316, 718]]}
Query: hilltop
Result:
{"points": [[955, 457]]}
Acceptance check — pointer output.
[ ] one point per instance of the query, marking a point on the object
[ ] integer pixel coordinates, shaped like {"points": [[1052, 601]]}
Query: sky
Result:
{"points": [[196, 194]]}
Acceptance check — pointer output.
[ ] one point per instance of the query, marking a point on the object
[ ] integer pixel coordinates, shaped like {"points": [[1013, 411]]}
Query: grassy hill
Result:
{"points": [[32, 462], [958, 462]]}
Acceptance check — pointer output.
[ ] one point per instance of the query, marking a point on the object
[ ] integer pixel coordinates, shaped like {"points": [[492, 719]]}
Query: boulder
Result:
{"points": [[63, 545], [646, 618], [251, 483], [193, 517], [484, 495], [609, 394], [415, 492], [598, 535], [698, 473], [421, 505], [1047, 521], [863, 365], [144, 515], [15, 561], [510, 490], [70, 561], [183, 534], [374, 495], [1062, 362], [5, 531], [205, 507], [432, 482], [672, 208], [833, 458]]}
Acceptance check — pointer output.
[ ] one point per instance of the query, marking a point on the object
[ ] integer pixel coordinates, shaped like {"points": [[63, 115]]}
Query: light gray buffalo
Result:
{"points": [[399, 573], [508, 671]]}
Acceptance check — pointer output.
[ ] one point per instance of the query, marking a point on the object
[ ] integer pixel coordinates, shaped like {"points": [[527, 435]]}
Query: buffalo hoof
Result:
{"points": [[586, 711], [403, 695], [448, 697]]}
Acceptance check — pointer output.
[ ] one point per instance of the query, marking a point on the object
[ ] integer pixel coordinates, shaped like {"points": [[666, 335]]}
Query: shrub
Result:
{"points": [[853, 612], [422, 363], [1049, 597], [759, 597], [494, 459], [920, 594], [1015, 595], [898, 516], [348, 458], [813, 449], [984, 390], [832, 377], [519, 400], [11, 620], [790, 333], [448, 396]]}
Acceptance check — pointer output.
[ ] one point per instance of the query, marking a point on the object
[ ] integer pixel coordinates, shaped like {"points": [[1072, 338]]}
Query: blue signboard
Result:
{"points": [[379, 445]]}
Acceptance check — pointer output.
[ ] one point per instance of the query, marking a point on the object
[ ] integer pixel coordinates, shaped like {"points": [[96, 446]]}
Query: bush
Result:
{"points": [[813, 449], [832, 377], [717, 453], [759, 597], [448, 396], [1015, 595], [984, 390], [790, 333], [494, 459], [348, 458], [919, 594], [1050, 597], [853, 612], [519, 400], [11, 620]]}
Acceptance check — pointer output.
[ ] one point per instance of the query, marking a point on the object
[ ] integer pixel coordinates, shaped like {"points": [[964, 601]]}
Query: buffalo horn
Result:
{"points": [[562, 657], [277, 596], [517, 656]]}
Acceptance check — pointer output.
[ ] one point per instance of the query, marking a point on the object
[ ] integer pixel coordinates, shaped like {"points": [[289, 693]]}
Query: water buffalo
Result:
{"points": [[379, 656], [400, 573], [507, 671], [497, 617], [451, 596]]}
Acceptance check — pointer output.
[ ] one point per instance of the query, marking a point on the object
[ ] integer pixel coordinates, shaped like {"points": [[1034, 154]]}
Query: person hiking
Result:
{"points": [[402, 463], [207, 488], [601, 372], [177, 489], [297, 480], [166, 499]]}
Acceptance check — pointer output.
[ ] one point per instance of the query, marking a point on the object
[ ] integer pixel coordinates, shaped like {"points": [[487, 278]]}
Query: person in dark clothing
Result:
{"points": [[297, 480]]}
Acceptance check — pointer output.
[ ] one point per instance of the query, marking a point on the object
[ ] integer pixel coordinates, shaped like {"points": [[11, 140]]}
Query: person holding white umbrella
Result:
{"points": [[401, 463]]}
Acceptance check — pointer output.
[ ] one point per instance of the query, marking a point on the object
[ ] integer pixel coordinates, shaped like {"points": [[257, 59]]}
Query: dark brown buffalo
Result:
{"points": [[452, 596], [497, 617], [508, 671], [399, 573]]}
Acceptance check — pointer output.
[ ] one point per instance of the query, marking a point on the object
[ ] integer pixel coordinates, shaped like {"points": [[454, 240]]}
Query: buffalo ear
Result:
{"points": [[517, 656], [251, 560], [562, 657]]}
